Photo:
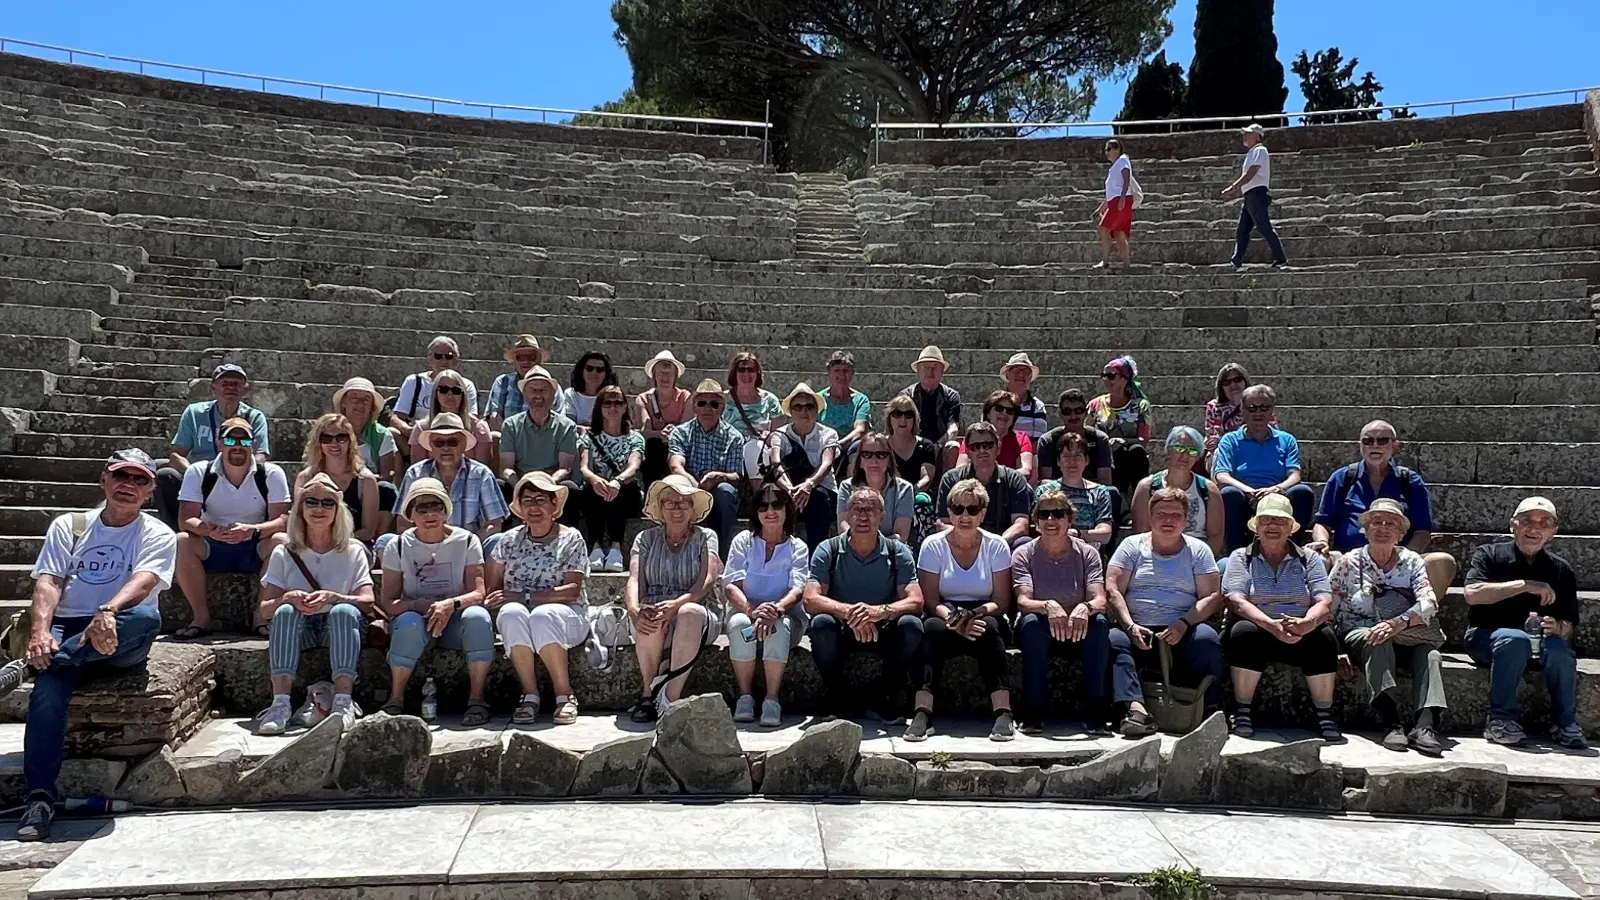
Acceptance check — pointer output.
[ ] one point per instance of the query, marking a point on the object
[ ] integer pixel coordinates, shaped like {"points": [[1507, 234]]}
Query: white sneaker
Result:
{"points": [[744, 709], [614, 561], [597, 559], [771, 714], [319, 702], [274, 719], [348, 709]]}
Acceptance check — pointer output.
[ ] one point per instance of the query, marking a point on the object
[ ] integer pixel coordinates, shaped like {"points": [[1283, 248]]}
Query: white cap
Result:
{"points": [[1536, 504]]}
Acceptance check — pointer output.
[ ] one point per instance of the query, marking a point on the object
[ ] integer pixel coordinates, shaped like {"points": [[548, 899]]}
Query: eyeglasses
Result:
{"points": [[769, 506], [238, 442], [445, 443], [339, 438], [677, 503], [1258, 407], [980, 446], [1049, 514], [959, 509], [874, 454], [1185, 450], [1232, 380], [536, 498], [747, 368], [444, 356], [1008, 410], [450, 390], [802, 407], [325, 503], [708, 404], [1376, 441], [902, 414], [135, 480], [596, 368], [424, 507], [1074, 410]]}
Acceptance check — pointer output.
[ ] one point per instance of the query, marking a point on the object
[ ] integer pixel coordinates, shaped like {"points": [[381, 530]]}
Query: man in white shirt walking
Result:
{"points": [[1253, 186], [96, 590]]}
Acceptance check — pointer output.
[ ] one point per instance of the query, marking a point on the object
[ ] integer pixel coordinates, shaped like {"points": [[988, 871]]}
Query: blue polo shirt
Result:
{"points": [[1257, 463], [1342, 520]]}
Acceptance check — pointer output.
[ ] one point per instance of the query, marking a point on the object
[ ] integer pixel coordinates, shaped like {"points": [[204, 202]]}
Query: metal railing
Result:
{"points": [[467, 107], [880, 127]]}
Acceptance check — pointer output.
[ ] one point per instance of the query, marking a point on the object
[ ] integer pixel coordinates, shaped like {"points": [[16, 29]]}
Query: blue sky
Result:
{"points": [[561, 53]]}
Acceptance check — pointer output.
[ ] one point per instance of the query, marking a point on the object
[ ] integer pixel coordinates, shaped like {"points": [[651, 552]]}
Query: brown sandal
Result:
{"points": [[477, 714]]}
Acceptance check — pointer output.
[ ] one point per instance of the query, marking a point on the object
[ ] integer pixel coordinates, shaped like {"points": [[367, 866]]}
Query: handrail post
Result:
{"points": [[766, 132]]}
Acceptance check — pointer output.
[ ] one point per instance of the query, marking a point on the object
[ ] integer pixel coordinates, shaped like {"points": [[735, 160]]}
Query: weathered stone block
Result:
{"points": [[613, 767], [1438, 789], [153, 782], [964, 778], [657, 778], [470, 771], [211, 780], [1191, 773], [1129, 773], [531, 767], [301, 769], [884, 777], [697, 742], [1289, 776], [384, 756], [817, 764]]}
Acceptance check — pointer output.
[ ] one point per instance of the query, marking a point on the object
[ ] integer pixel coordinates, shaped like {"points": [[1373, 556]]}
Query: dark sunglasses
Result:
{"points": [[959, 509], [319, 503], [1049, 514], [769, 506], [444, 356], [747, 368], [340, 438], [1258, 407], [708, 404], [874, 454], [981, 445], [594, 367], [450, 390], [1376, 441], [445, 443], [1233, 380], [424, 507], [1074, 410], [902, 414], [238, 442], [1109, 375], [123, 477], [1008, 410], [616, 403], [811, 407]]}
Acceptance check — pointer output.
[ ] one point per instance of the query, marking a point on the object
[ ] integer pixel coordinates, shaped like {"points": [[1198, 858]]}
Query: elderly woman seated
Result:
{"points": [[1280, 607], [1205, 519], [1385, 611], [669, 594], [766, 573], [803, 454], [536, 576], [433, 593], [316, 593], [965, 574]]}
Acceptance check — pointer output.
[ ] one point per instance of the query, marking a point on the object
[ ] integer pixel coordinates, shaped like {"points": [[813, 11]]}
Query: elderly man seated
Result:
{"points": [[1351, 490], [1257, 461], [477, 503], [96, 593]]}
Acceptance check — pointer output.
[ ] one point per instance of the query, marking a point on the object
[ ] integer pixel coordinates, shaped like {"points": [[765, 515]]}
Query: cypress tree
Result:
{"points": [[1235, 69]]}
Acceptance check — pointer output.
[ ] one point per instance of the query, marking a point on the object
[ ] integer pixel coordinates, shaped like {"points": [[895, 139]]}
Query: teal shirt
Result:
{"points": [[198, 426], [842, 417]]}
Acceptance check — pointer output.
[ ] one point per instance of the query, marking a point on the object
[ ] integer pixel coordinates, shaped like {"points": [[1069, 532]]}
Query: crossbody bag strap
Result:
{"points": [[304, 570]]}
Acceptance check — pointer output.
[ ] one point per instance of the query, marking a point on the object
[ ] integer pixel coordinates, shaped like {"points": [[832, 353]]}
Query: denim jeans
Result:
{"points": [[1506, 652], [724, 514], [1033, 635], [44, 741], [340, 629], [470, 630], [1237, 512], [897, 643], [1256, 215], [1200, 653]]}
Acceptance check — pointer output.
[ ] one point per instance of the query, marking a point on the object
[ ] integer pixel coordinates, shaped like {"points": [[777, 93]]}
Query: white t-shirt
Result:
{"points": [[105, 559], [1257, 156], [1114, 178], [421, 386], [341, 571], [965, 587], [385, 448], [229, 505], [433, 571], [577, 406]]}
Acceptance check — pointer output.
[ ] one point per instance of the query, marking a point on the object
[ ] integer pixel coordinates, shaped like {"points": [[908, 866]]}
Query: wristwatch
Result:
{"points": [[106, 608]]}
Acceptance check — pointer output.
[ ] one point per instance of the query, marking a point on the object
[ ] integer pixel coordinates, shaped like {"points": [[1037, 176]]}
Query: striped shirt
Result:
{"points": [[718, 450], [1092, 502], [475, 496], [505, 398], [665, 573], [1161, 589], [1289, 591]]}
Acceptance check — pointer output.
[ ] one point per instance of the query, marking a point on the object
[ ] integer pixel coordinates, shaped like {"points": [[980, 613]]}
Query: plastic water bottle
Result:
{"points": [[430, 701], [1535, 628], [94, 805]]}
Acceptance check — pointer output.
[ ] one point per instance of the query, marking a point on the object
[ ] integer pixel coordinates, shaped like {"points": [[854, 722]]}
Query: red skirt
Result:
{"points": [[1118, 217]]}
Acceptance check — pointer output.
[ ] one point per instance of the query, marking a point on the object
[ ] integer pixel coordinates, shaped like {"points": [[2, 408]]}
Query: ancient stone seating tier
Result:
{"points": [[1444, 280]]}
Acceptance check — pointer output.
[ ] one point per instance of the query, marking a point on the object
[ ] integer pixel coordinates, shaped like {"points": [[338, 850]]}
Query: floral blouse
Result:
{"points": [[761, 413], [544, 565], [1129, 422], [1356, 579], [1222, 418]]}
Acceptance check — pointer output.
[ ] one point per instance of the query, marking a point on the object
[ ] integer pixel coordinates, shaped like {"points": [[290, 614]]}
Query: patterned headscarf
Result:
{"points": [[1130, 371]]}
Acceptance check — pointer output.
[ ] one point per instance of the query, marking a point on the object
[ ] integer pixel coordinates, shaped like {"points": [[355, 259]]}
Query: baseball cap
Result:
{"points": [[131, 458], [842, 358], [1536, 504], [228, 369], [1255, 129]]}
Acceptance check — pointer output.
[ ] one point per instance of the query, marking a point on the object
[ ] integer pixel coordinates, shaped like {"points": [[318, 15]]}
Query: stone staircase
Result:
{"points": [[1443, 285]]}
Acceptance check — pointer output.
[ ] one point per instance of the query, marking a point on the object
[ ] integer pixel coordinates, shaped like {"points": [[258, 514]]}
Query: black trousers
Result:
{"points": [[604, 520], [939, 644], [1251, 649]]}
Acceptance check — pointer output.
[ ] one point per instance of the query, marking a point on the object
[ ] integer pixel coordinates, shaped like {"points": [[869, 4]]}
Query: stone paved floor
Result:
{"points": [[221, 853]]}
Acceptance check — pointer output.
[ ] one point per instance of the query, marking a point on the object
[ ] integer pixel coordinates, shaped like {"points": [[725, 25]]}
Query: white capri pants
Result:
{"points": [[545, 624]]}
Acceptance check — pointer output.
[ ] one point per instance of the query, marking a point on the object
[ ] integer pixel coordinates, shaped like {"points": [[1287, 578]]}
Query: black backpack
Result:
{"points": [[1353, 471], [208, 483]]}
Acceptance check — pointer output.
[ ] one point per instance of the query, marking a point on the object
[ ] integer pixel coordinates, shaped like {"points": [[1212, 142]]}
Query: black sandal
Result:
{"points": [[190, 632], [477, 714], [1137, 725], [643, 711], [394, 707]]}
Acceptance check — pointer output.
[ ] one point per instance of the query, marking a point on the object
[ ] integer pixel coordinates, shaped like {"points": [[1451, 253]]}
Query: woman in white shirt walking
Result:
{"points": [[767, 570], [1116, 212]]}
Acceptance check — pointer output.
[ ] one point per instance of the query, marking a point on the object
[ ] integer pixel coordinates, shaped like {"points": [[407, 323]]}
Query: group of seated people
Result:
{"points": [[924, 540]]}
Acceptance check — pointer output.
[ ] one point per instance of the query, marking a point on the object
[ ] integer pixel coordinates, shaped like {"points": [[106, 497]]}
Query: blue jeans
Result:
{"points": [[340, 629], [471, 630], [1255, 215], [725, 514], [1237, 512], [1033, 636], [897, 644], [1200, 653], [44, 741], [1506, 652]]}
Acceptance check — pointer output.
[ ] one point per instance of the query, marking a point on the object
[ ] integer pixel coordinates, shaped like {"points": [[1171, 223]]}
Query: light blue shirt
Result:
{"points": [[1257, 463], [1287, 592], [1161, 589]]}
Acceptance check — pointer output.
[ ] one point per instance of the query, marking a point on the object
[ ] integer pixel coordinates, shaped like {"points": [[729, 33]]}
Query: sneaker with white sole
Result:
{"points": [[1569, 736], [319, 703], [348, 709], [614, 561], [13, 674], [744, 709], [274, 719], [36, 818], [771, 713], [1505, 732], [597, 559]]}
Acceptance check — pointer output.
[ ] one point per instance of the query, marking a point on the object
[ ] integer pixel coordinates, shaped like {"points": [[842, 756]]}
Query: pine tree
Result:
{"points": [[1235, 69]]}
